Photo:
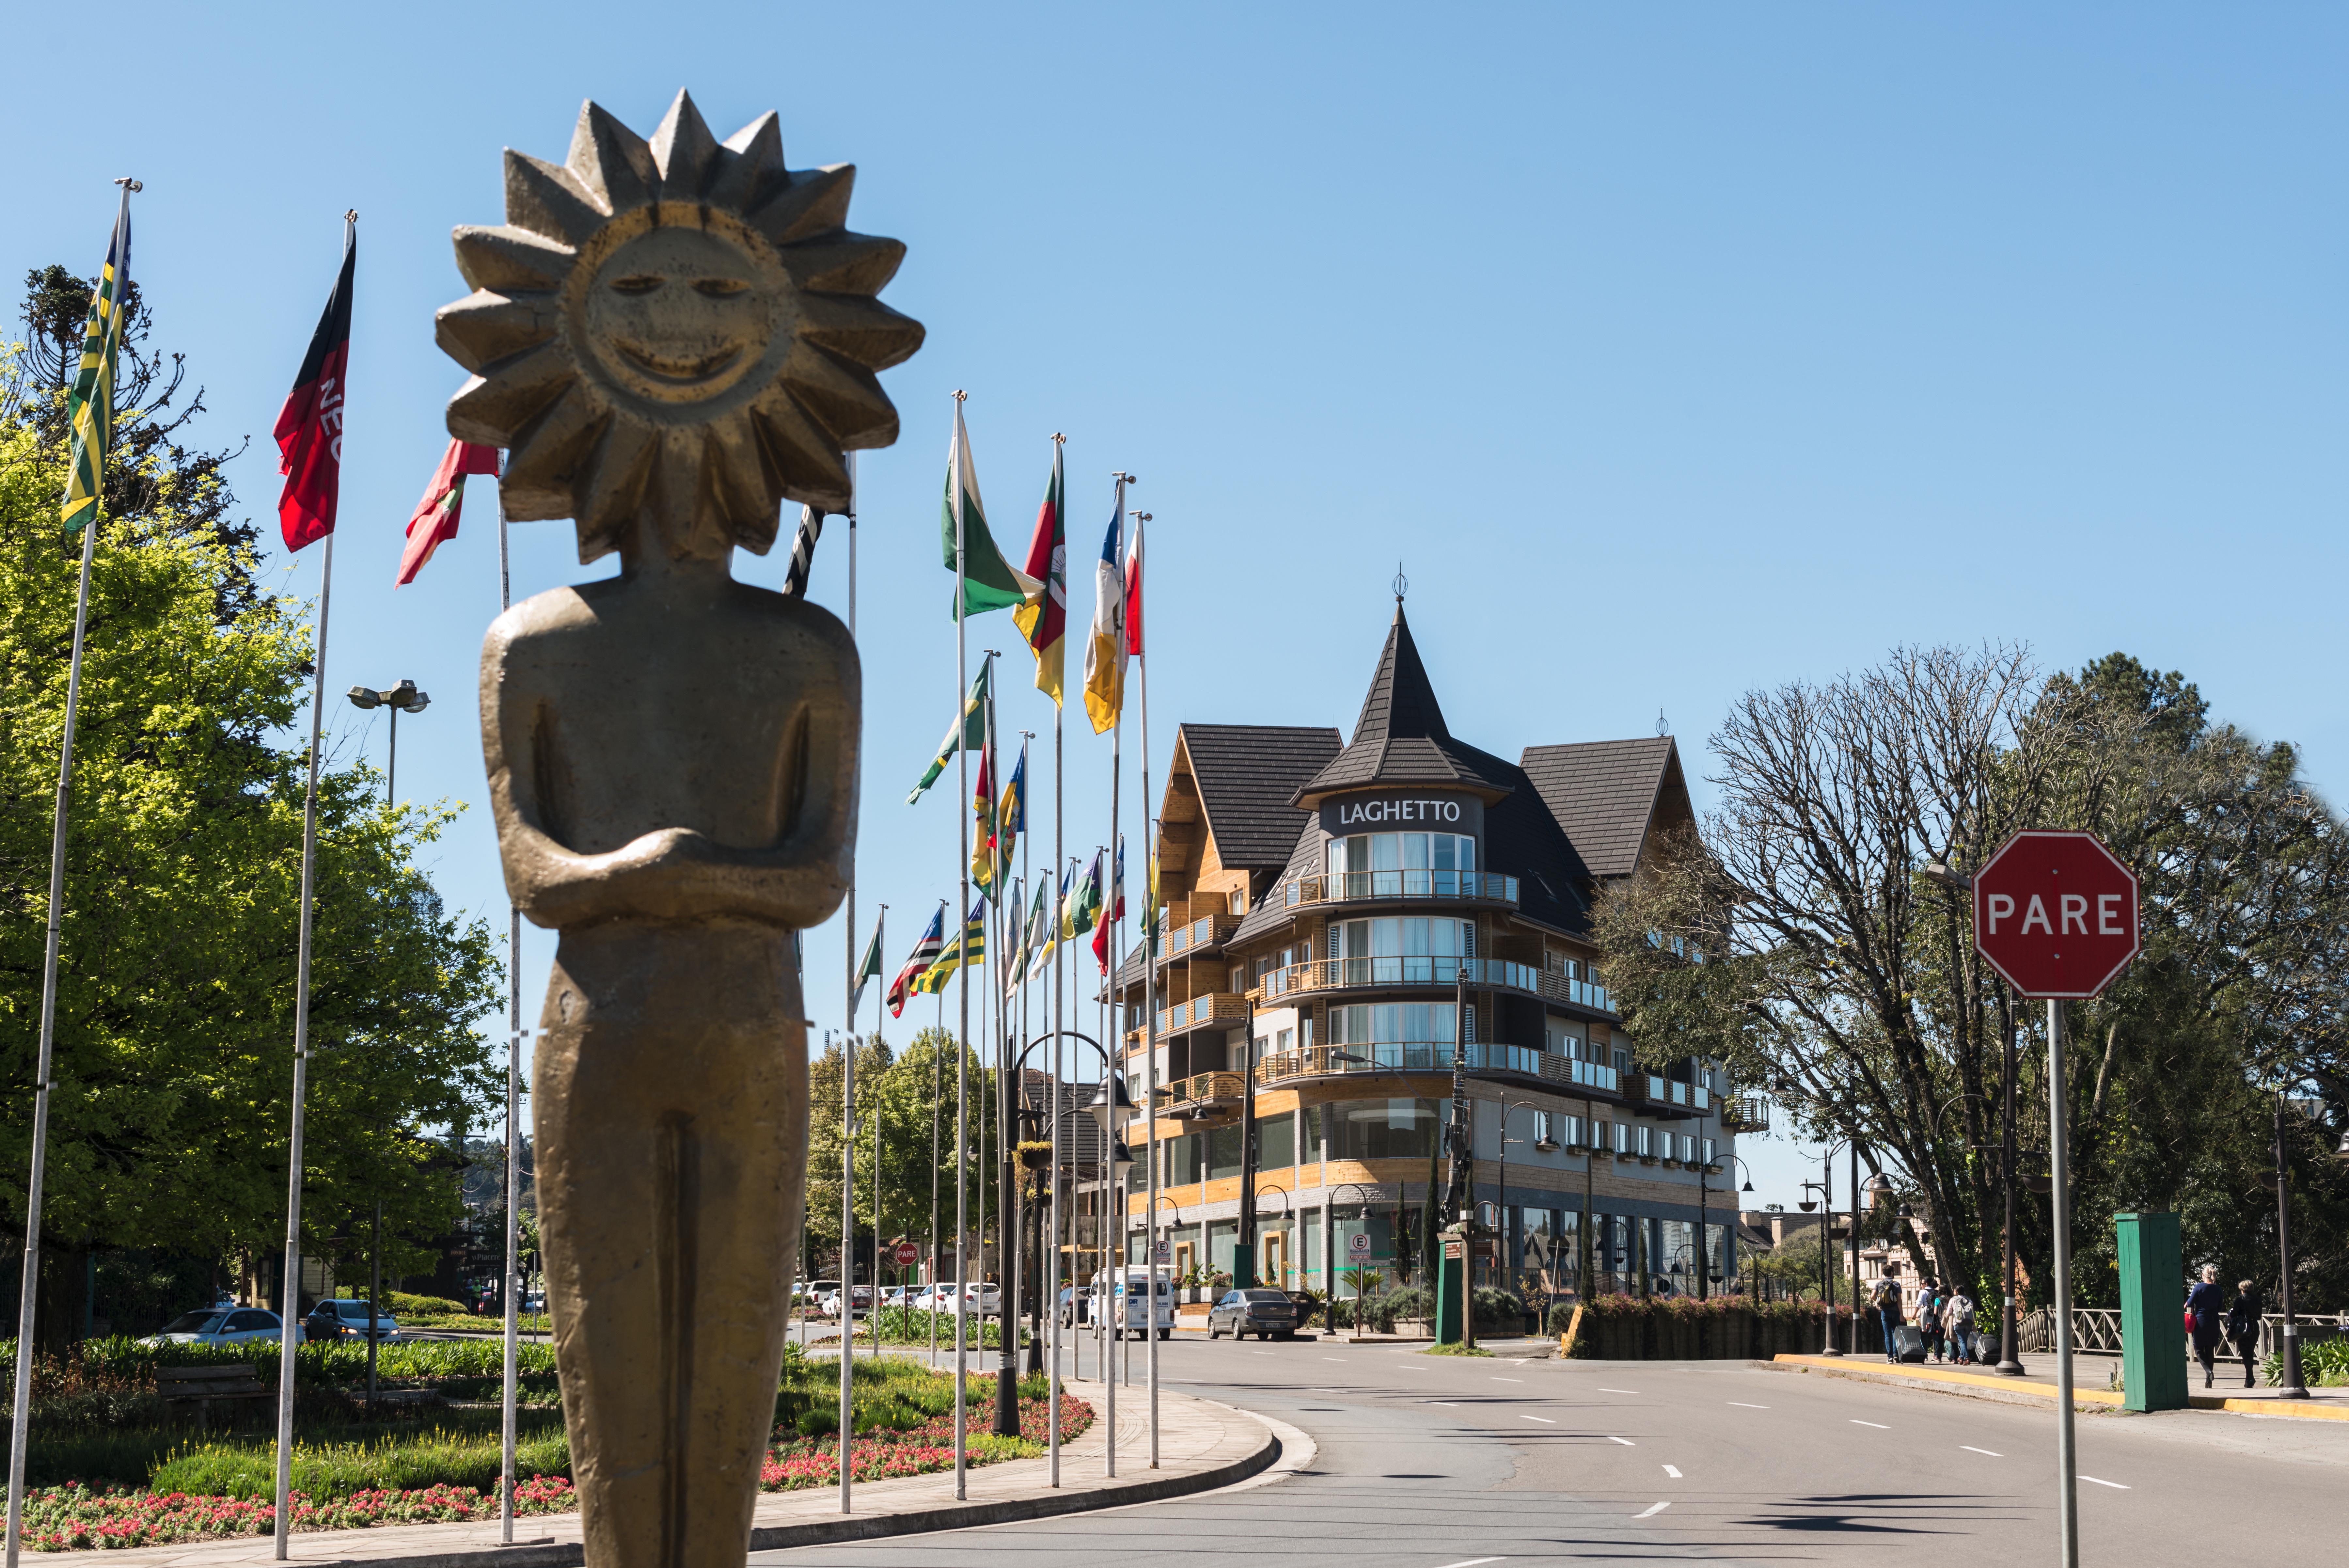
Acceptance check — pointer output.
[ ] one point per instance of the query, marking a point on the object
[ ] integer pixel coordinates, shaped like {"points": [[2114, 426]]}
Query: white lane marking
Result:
{"points": [[1878, 1424], [1625, 1441], [1674, 1471], [1618, 1390], [1971, 1449], [1447, 1404], [1472, 1562], [1508, 1380], [1260, 1353], [1545, 1420], [1743, 1406], [1333, 1358], [2115, 1485], [1650, 1513]]}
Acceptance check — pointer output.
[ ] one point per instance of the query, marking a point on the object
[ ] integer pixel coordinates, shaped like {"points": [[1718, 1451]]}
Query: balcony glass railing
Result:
{"points": [[1343, 887], [1204, 1009], [1333, 974], [1435, 1056]]}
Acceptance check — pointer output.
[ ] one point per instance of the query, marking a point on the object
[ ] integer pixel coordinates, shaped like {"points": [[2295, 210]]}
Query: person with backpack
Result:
{"points": [[1961, 1327], [1888, 1311], [1929, 1318]]}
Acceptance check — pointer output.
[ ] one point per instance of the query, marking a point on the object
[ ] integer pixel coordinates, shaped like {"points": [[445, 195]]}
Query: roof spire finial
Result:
{"points": [[1401, 584], [1662, 728]]}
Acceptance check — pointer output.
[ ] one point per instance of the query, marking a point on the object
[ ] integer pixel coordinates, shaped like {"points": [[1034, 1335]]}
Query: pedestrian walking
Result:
{"points": [[1960, 1313], [1888, 1311], [2243, 1329], [1929, 1318], [2206, 1319]]}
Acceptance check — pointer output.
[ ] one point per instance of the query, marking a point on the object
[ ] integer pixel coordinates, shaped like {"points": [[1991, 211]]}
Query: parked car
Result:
{"points": [[1122, 1300], [980, 1299], [340, 1318], [221, 1325], [1262, 1313], [1076, 1306]]}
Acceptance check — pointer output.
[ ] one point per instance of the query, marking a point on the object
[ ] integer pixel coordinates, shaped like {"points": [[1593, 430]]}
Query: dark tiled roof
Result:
{"points": [[1304, 860], [1523, 840], [1401, 737], [1248, 776], [1604, 793]]}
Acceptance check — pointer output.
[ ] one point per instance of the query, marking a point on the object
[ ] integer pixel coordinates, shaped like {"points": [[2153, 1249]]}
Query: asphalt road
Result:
{"points": [[1444, 1462]]}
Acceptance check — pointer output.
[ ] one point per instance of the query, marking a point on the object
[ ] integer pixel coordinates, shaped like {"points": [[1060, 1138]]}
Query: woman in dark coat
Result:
{"points": [[2208, 1306], [2243, 1329]]}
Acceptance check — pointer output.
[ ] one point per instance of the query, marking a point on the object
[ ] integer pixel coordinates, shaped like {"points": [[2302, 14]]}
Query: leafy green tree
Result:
{"points": [[174, 1020], [899, 1099]]}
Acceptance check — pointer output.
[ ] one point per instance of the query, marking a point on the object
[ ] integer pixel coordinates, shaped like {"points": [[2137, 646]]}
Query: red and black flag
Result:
{"points": [[310, 426]]}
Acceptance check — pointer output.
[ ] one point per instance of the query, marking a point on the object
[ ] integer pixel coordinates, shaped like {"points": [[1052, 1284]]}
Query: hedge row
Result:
{"points": [[122, 1360], [1680, 1328]]}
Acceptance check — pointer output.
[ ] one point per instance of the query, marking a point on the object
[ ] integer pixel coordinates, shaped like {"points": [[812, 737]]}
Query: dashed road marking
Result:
{"points": [[1971, 1449], [1651, 1512], [1618, 1390], [1878, 1424], [2115, 1485], [1625, 1441], [1508, 1380], [1743, 1406], [1472, 1562], [1545, 1420], [1333, 1358], [1674, 1471]]}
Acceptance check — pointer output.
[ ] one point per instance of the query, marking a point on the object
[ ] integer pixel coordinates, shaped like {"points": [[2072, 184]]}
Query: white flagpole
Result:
{"points": [[1149, 1001], [1112, 1039], [20, 1438], [287, 1326], [508, 1400], [962, 972]]}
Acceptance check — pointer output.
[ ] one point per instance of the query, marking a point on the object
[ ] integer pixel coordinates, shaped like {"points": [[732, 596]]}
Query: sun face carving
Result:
{"points": [[679, 328]]}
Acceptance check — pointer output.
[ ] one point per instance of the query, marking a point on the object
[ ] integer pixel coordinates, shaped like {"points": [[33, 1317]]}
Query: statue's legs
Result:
{"points": [[671, 1117]]}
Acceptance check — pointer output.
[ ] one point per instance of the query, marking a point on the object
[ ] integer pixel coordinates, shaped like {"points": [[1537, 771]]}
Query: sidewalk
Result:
{"points": [[1201, 1444], [2090, 1376]]}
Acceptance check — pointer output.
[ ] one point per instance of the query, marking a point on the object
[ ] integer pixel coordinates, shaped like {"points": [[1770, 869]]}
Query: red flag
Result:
{"points": [[444, 499], [1133, 592], [310, 426]]}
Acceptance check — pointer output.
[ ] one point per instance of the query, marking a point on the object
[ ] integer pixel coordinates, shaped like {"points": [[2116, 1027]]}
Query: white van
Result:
{"points": [[1130, 1312]]}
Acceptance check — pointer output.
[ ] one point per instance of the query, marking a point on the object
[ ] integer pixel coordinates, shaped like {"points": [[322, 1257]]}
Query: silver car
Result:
{"points": [[221, 1325]]}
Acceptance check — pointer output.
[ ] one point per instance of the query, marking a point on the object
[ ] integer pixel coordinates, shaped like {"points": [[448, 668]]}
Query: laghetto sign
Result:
{"points": [[1411, 812]]}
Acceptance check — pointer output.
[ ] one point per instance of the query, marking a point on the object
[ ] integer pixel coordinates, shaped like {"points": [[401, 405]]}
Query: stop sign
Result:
{"points": [[2055, 914], [907, 1255]]}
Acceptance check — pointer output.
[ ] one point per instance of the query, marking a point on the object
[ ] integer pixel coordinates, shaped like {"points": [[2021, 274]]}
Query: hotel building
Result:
{"points": [[1326, 897]]}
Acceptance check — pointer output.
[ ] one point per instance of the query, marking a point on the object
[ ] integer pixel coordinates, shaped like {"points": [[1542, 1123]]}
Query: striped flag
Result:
{"points": [[1133, 592], [1116, 909], [1043, 620], [1106, 648], [1015, 964], [89, 402], [982, 807], [925, 953], [989, 581], [971, 949], [434, 523], [1052, 925], [795, 575], [1011, 814]]}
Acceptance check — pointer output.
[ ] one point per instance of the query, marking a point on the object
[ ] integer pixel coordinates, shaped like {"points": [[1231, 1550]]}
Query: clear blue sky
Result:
{"points": [[1675, 350]]}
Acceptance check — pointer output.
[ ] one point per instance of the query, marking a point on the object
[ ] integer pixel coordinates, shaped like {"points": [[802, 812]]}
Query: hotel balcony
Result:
{"points": [[1209, 1009], [1390, 887], [1391, 974], [1195, 938], [1569, 1074], [1200, 1093]]}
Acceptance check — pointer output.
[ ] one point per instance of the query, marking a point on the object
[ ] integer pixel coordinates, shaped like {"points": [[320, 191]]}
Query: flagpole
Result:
{"points": [[880, 920], [848, 1107], [1149, 1001], [1112, 1039], [20, 1437], [508, 1400], [1027, 946], [938, 1103], [962, 914]]}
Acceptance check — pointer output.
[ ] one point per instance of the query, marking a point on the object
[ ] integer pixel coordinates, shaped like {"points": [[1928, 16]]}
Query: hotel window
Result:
{"points": [[1239, 978], [1709, 1147], [1563, 1039], [1647, 1142], [1403, 865], [1623, 1138], [1380, 1129]]}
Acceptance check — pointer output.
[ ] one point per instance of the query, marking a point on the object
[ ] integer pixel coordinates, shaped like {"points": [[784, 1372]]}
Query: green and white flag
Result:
{"points": [[869, 970], [1082, 906], [967, 733], [1015, 966], [989, 581]]}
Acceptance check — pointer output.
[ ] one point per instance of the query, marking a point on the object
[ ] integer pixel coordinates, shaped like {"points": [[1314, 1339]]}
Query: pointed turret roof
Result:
{"points": [[1401, 738]]}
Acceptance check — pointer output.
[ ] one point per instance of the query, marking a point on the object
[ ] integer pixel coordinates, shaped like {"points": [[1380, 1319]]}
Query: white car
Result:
{"points": [[984, 1301], [221, 1325]]}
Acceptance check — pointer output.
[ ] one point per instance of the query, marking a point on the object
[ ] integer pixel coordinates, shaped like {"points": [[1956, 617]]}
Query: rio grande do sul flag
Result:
{"points": [[989, 581], [435, 519]]}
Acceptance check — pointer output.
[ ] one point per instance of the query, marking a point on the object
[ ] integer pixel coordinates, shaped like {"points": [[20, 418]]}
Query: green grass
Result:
{"points": [[1456, 1350], [334, 1469]]}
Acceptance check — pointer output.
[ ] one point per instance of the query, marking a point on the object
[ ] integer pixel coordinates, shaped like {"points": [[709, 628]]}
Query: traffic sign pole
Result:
{"points": [[2067, 1464]]}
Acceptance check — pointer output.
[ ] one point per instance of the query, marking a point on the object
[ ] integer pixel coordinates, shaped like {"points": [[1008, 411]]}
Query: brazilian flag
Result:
{"points": [[89, 403]]}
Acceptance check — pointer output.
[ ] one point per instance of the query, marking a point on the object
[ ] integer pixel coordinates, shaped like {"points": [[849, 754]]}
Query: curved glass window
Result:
{"points": [[1403, 865], [1380, 1129]]}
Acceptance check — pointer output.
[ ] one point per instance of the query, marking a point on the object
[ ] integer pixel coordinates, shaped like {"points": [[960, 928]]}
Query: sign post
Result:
{"points": [[2057, 915]]}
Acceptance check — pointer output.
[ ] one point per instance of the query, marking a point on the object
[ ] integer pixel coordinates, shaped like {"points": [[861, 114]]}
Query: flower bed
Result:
{"points": [[75, 1517]]}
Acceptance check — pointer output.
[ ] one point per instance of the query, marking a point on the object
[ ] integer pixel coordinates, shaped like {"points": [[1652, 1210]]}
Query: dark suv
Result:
{"points": [[1262, 1313]]}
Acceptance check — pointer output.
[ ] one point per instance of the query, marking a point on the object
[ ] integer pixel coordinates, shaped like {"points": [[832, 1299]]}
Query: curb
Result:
{"points": [[2012, 1391], [854, 1527]]}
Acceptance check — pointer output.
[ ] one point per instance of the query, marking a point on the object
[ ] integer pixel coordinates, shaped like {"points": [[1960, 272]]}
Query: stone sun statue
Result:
{"points": [[670, 339]]}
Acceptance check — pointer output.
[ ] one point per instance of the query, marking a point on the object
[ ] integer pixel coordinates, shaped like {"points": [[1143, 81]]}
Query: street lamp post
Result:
{"points": [[1543, 1143], [1701, 1173], [402, 698], [2291, 1385]]}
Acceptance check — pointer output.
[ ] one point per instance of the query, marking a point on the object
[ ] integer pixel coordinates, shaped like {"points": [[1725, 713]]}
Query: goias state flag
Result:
{"points": [[444, 499], [310, 426]]}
